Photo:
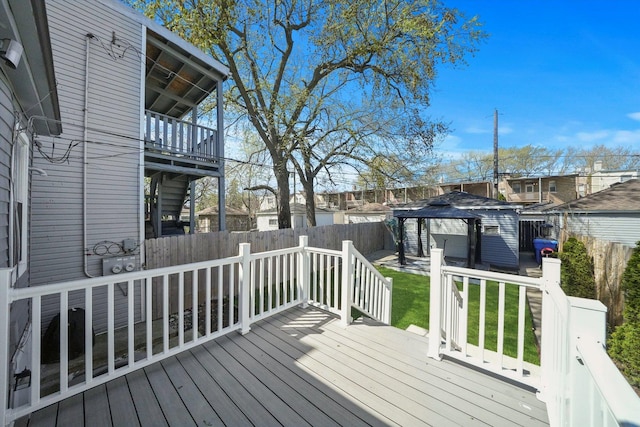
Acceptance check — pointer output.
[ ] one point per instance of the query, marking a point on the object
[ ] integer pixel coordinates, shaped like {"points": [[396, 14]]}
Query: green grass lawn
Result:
{"points": [[411, 306]]}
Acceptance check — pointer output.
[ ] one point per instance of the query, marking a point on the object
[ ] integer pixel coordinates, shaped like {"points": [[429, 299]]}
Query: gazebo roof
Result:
{"points": [[437, 209]]}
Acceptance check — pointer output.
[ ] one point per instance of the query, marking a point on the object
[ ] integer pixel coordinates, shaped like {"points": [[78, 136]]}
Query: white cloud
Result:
{"points": [[592, 136], [505, 130], [478, 130], [627, 136], [634, 116]]}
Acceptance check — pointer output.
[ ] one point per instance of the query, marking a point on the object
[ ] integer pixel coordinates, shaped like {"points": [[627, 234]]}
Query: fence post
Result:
{"points": [[244, 281], [303, 271], [347, 283], [5, 285], [435, 304]]}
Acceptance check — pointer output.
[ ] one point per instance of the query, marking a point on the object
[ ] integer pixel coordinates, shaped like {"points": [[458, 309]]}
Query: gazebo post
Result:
{"points": [[401, 259], [420, 250]]}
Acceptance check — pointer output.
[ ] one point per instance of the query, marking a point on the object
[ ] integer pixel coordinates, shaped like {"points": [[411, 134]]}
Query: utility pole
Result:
{"points": [[495, 154]]}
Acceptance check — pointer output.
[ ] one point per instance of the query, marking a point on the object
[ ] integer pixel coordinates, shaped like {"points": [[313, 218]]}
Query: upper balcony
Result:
{"points": [[179, 78]]}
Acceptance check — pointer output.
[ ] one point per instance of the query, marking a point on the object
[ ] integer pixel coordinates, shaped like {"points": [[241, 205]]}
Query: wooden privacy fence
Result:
{"points": [[178, 250], [175, 250]]}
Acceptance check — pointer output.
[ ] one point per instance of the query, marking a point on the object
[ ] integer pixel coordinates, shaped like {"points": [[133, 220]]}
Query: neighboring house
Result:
{"points": [[602, 179], [555, 189], [29, 109], [612, 215], [268, 219], [129, 92], [499, 228], [370, 212], [480, 188], [237, 220]]}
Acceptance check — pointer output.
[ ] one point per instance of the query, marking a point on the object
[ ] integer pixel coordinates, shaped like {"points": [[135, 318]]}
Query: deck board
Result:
{"points": [[299, 368], [447, 392]]}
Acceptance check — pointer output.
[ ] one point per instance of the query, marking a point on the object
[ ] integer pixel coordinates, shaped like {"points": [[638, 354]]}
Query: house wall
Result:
{"points": [[501, 250], [111, 140], [6, 133], [620, 227]]}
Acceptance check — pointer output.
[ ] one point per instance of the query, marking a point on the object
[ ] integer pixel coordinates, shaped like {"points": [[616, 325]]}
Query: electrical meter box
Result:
{"points": [[118, 265]]}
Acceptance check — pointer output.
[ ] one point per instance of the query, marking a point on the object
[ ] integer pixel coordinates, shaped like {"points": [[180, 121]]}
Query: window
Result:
{"points": [[517, 188], [273, 222], [18, 215], [491, 230], [552, 187], [529, 187]]}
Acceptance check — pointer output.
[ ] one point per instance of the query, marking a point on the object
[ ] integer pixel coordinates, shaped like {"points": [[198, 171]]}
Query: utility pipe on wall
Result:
{"points": [[84, 154]]}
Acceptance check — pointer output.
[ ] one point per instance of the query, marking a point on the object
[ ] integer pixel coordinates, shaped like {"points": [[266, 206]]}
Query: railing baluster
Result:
{"points": [[88, 334], [110, 328], [194, 304], [501, 300], [64, 340], [130, 324], [481, 320], [232, 291], [207, 303], [165, 313], [221, 298], [465, 315], [36, 334], [180, 309], [149, 316], [521, 322]]}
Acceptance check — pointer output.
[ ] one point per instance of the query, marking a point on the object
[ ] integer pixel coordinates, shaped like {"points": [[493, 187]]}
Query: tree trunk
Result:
{"points": [[284, 209], [310, 202]]}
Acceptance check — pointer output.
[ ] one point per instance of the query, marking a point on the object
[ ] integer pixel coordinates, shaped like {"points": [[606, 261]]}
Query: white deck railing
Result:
{"points": [[576, 378], [210, 298]]}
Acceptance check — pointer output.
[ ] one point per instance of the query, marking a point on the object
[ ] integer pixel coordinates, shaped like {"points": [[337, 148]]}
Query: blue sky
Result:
{"points": [[560, 73]]}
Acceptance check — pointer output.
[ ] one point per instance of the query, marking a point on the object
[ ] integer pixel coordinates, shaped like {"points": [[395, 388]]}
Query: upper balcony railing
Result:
{"points": [[170, 137]]}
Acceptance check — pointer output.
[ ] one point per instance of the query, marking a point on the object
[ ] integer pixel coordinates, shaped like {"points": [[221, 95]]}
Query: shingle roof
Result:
{"points": [[620, 197]]}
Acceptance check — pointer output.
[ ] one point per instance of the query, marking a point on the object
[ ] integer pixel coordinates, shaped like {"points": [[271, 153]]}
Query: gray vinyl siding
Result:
{"points": [[6, 131], [501, 250], [620, 227], [113, 200]]}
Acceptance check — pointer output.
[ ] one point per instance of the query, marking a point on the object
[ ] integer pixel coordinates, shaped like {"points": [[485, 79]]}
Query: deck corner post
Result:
{"points": [[549, 286], [435, 304], [347, 283], [5, 285], [244, 281], [303, 268]]}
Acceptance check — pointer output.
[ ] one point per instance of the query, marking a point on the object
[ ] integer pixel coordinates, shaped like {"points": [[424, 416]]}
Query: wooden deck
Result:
{"points": [[301, 368]]}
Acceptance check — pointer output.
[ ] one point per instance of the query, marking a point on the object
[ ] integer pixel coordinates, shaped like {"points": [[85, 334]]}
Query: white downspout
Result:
{"points": [[84, 153]]}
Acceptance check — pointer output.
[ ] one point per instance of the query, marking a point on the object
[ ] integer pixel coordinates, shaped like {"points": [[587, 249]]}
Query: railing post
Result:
{"points": [[548, 351], [347, 283], [435, 304], [588, 322], [244, 280], [5, 285], [303, 271], [388, 302]]}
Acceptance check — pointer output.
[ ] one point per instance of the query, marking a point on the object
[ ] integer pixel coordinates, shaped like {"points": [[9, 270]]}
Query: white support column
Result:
{"points": [[5, 285], [303, 271], [347, 282], [244, 287], [435, 300]]}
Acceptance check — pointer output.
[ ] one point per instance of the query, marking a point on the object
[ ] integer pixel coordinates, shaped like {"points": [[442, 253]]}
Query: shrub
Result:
{"points": [[625, 340], [577, 277]]}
